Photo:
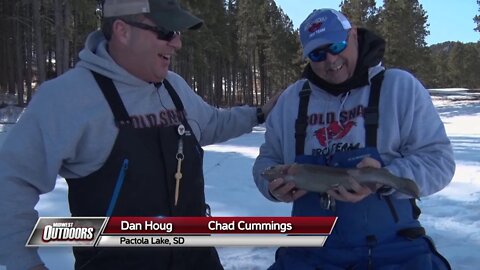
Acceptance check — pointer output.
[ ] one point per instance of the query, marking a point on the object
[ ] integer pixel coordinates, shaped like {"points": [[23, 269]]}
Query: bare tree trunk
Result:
{"points": [[235, 82], [19, 57], [40, 53], [66, 40], [262, 74], [3, 54], [75, 31], [187, 66], [209, 86], [231, 85], [200, 86], [254, 78], [218, 83], [228, 85], [10, 56], [60, 36], [28, 58], [8, 33], [245, 82], [3, 51]]}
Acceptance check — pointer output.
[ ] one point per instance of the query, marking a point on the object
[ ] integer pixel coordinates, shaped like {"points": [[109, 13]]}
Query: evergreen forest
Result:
{"points": [[246, 51]]}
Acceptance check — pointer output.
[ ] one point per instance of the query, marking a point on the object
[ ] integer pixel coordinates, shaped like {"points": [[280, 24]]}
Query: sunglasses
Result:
{"points": [[162, 34], [320, 54]]}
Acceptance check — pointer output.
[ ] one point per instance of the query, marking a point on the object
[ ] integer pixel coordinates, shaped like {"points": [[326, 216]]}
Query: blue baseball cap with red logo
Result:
{"points": [[322, 27]]}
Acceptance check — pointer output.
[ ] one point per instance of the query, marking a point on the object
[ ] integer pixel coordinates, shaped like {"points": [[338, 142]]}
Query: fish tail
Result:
{"points": [[409, 187]]}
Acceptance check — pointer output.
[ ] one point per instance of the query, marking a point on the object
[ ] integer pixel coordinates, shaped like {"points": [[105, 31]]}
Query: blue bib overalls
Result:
{"points": [[379, 232]]}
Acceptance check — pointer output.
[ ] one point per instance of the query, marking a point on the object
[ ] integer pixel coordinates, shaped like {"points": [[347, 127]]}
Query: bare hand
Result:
{"points": [[358, 192], [285, 191], [369, 162]]}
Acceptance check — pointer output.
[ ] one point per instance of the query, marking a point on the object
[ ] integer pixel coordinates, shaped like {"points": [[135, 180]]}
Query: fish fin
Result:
{"points": [[372, 186]]}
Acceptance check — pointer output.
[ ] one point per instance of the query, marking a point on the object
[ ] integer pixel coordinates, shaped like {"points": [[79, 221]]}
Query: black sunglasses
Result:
{"points": [[162, 33]]}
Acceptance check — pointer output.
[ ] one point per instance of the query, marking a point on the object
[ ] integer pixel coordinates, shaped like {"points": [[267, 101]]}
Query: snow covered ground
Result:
{"points": [[451, 217]]}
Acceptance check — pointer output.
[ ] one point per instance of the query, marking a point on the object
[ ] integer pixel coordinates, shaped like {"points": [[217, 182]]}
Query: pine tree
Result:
{"points": [[362, 13], [250, 26], [232, 54], [201, 59], [282, 59], [245, 51], [463, 62], [404, 27], [470, 65]]}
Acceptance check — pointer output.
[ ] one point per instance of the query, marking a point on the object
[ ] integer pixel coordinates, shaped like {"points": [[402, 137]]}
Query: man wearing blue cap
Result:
{"points": [[127, 135], [348, 111]]}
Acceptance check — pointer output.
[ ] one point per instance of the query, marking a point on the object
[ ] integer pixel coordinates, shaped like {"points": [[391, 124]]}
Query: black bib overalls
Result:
{"points": [[137, 179]]}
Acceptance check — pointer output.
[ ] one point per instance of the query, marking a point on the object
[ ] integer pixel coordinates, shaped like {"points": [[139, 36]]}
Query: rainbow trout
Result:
{"points": [[318, 178]]}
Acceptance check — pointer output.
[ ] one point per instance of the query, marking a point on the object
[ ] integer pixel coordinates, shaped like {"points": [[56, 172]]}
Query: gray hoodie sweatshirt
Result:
{"points": [[68, 129], [411, 139]]}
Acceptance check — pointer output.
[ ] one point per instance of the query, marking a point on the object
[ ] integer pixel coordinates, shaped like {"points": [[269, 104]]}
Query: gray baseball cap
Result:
{"points": [[165, 13]]}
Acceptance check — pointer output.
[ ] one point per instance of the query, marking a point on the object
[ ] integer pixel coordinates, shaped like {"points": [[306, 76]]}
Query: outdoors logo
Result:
{"points": [[66, 231], [333, 131]]}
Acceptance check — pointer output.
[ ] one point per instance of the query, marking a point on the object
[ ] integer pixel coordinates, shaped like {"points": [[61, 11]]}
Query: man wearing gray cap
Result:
{"points": [[125, 132], [347, 112]]}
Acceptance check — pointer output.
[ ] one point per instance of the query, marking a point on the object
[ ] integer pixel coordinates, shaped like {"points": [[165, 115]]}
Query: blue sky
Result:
{"points": [[449, 20]]}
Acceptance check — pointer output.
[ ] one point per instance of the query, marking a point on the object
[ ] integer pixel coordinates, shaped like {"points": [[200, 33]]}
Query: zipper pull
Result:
{"points": [[178, 175]]}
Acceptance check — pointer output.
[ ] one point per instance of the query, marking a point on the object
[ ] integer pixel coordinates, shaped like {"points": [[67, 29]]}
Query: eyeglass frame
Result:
{"points": [[327, 49], [162, 33]]}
